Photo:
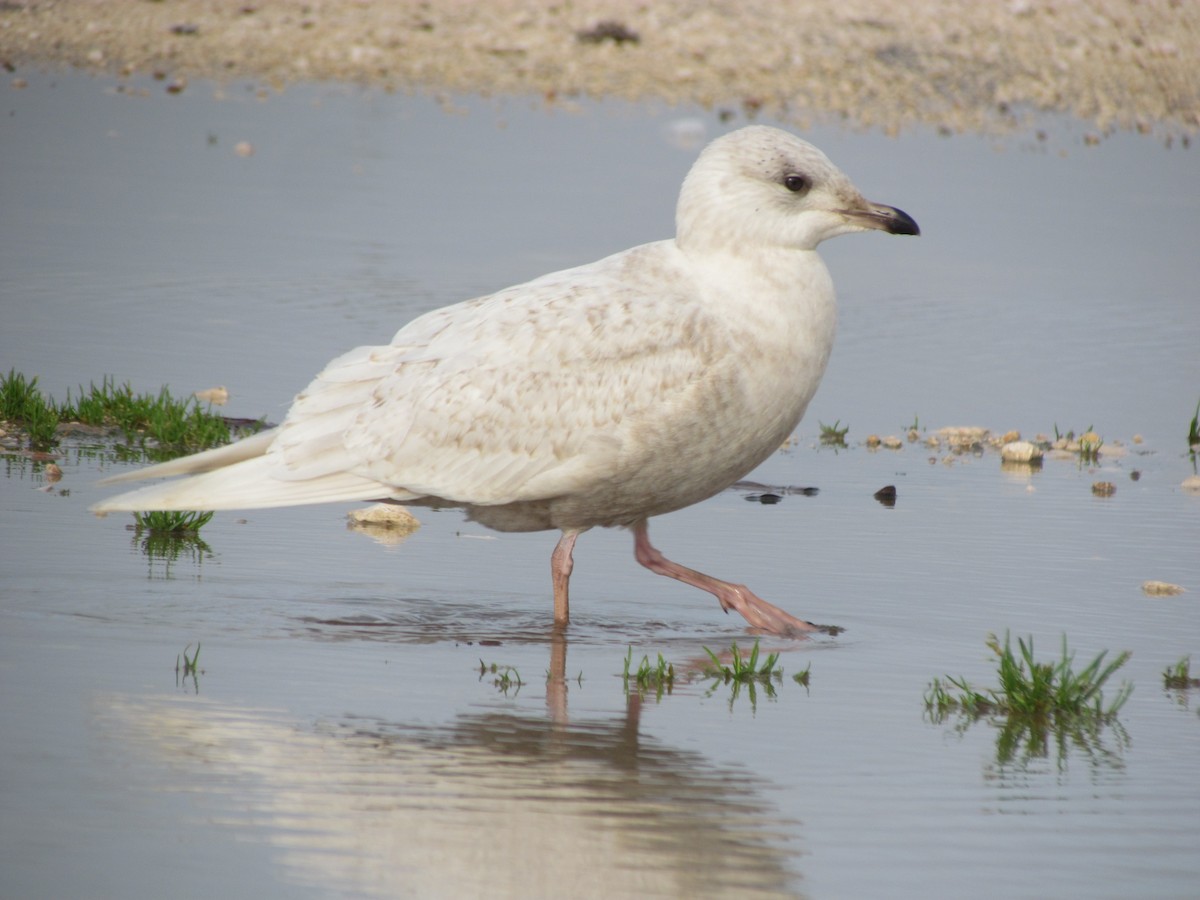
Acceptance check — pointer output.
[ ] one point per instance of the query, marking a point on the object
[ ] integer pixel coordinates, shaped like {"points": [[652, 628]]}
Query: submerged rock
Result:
{"points": [[1020, 451]]}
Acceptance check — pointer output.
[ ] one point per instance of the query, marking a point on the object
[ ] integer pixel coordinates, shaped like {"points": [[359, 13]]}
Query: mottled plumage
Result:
{"points": [[596, 396]]}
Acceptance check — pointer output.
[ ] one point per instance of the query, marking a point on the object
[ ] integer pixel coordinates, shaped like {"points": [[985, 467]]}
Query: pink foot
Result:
{"points": [[737, 597]]}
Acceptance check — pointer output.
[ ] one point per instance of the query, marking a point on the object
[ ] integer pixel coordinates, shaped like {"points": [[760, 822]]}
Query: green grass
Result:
{"points": [[1089, 443], [171, 522], [831, 434], [751, 672], [1032, 689], [744, 672], [1040, 707], [22, 404], [658, 677], [188, 666], [1193, 437], [168, 420], [175, 424], [505, 678], [802, 677], [1089, 446], [745, 669], [1179, 676]]}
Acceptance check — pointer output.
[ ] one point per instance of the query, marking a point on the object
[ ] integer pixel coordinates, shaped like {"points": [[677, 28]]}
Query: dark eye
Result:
{"points": [[797, 184]]}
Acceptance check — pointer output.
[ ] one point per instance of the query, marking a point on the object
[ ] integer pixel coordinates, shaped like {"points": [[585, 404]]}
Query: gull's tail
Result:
{"points": [[238, 476]]}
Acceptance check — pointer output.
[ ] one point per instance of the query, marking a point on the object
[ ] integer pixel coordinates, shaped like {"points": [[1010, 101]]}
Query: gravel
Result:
{"points": [[953, 65]]}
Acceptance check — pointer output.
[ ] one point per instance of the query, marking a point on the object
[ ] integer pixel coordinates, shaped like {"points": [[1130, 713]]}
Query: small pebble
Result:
{"points": [[243, 148], [385, 523], [1161, 589], [53, 472], [1104, 488], [872, 441], [386, 515], [892, 442], [1010, 437], [1191, 484]]}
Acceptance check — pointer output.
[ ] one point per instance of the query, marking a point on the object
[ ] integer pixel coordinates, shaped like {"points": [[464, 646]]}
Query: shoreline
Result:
{"points": [[1114, 65]]}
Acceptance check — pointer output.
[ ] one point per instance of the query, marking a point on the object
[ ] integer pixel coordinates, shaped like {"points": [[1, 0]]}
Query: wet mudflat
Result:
{"points": [[339, 737]]}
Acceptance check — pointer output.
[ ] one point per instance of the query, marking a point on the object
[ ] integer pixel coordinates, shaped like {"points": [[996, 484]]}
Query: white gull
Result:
{"points": [[595, 396]]}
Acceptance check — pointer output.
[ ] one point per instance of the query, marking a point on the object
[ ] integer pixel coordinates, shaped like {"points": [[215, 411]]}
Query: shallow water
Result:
{"points": [[341, 739]]}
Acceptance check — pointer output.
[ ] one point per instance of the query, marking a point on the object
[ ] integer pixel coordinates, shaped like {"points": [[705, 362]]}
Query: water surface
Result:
{"points": [[341, 739]]}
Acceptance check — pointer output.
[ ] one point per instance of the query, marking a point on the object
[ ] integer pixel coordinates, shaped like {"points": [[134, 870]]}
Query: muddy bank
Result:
{"points": [[942, 63]]}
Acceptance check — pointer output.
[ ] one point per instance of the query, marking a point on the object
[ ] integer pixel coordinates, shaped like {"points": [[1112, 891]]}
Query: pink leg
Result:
{"points": [[758, 612], [561, 564]]}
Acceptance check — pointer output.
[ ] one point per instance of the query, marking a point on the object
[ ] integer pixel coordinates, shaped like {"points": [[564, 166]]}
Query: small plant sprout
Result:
{"points": [[831, 434], [744, 669], [1179, 676], [1089, 446], [658, 677], [802, 677], [506, 677], [186, 666], [1193, 437], [744, 672]]}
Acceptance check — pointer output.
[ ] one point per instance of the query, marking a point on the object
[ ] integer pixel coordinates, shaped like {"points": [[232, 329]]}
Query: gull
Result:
{"points": [[597, 396]]}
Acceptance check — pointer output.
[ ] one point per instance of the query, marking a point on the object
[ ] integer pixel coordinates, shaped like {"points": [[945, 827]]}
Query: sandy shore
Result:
{"points": [[957, 65]]}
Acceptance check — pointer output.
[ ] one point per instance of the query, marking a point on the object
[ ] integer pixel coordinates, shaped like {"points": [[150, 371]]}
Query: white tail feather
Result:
{"points": [[207, 461], [248, 485]]}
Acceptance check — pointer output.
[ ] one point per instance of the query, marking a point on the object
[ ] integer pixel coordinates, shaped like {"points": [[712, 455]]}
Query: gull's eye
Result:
{"points": [[797, 184]]}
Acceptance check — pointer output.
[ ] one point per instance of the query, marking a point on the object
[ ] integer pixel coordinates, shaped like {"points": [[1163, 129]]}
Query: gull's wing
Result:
{"points": [[537, 391], [529, 393]]}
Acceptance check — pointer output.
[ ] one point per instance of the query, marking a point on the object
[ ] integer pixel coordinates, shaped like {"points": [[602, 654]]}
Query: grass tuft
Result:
{"points": [[832, 435], [657, 677], [1032, 689], [188, 665], [171, 522], [169, 421], [173, 425], [1179, 676], [1039, 706], [744, 669], [744, 672], [802, 677], [505, 678], [23, 404]]}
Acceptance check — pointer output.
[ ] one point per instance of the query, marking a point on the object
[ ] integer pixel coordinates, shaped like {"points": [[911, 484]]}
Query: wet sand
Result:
{"points": [[947, 64]]}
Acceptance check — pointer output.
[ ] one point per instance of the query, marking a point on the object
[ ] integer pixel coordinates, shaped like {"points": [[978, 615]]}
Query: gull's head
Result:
{"points": [[763, 187]]}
